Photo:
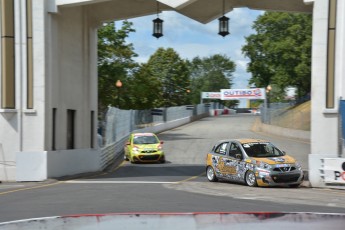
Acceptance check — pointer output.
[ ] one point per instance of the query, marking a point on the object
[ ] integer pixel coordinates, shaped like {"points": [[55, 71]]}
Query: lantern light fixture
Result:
{"points": [[223, 23], [157, 25]]}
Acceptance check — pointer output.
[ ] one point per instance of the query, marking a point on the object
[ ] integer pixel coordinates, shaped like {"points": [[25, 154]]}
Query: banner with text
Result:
{"points": [[210, 95], [236, 94]]}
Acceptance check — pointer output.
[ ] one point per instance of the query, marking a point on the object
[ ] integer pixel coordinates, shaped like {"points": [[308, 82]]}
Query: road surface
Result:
{"points": [[179, 185]]}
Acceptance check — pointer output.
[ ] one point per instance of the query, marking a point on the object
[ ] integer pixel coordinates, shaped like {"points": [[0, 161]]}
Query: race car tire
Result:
{"points": [[294, 185], [211, 175], [251, 179]]}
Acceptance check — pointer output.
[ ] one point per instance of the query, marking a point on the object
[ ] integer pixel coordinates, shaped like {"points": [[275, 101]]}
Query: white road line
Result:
{"points": [[117, 182]]}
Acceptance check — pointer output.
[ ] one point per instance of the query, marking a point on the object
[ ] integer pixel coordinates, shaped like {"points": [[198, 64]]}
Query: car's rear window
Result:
{"points": [[261, 149]]}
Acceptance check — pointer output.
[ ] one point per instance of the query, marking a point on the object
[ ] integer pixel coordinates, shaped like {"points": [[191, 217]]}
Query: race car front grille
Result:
{"points": [[149, 151], [285, 178], [284, 169], [149, 157]]}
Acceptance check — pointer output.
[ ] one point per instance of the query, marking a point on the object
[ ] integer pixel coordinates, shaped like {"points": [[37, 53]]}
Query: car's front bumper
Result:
{"points": [[148, 157], [271, 178]]}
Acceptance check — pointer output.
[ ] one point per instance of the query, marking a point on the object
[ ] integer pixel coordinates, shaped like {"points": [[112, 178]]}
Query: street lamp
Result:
{"points": [[223, 23], [118, 86], [267, 112], [268, 90], [269, 87], [157, 25]]}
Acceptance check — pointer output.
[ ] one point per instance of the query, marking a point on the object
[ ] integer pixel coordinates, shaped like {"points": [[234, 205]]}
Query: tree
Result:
{"points": [[114, 62], [172, 76], [210, 74], [280, 51], [144, 91]]}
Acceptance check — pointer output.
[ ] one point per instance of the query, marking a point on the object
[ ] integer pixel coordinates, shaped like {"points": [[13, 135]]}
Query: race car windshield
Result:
{"points": [[261, 150], [145, 140]]}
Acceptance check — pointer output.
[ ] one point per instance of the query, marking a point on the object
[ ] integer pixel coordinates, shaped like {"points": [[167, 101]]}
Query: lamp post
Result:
{"points": [[268, 113], [188, 96], [118, 86], [157, 25], [268, 90], [223, 23]]}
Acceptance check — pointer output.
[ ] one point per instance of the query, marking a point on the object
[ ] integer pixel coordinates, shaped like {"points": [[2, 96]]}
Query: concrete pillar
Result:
{"points": [[324, 118]]}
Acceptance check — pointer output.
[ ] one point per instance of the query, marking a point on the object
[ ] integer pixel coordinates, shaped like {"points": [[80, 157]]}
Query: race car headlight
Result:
{"points": [[135, 150], [159, 147], [264, 166], [298, 165]]}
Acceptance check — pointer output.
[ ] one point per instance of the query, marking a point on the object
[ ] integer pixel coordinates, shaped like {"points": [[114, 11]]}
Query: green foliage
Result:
{"points": [[280, 51], [171, 77], [165, 80], [210, 74], [114, 62], [144, 90]]}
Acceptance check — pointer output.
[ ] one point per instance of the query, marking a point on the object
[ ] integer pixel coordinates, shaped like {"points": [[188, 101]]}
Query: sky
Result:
{"points": [[190, 38]]}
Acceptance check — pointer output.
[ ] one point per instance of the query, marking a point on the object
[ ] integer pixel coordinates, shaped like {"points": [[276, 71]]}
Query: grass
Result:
{"points": [[296, 117]]}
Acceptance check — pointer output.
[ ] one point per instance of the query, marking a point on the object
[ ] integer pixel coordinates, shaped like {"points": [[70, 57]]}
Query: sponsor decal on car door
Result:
{"points": [[234, 167], [226, 165]]}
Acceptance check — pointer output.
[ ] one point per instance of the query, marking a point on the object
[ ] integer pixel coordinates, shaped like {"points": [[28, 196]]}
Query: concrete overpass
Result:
{"points": [[48, 72]]}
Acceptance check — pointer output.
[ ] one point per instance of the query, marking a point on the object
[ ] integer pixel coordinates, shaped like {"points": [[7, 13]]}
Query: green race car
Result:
{"points": [[144, 147]]}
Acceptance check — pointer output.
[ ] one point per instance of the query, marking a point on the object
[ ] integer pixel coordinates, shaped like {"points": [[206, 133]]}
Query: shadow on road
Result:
{"points": [[177, 137], [154, 170]]}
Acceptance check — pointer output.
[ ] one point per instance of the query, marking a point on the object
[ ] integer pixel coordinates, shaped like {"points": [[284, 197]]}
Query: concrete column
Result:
{"points": [[324, 121]]}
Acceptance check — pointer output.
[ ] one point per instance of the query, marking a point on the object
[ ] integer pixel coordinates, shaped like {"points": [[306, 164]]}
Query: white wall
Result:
{"points": [[23, 129], [71, 77], [39, 166], [65, 78]]}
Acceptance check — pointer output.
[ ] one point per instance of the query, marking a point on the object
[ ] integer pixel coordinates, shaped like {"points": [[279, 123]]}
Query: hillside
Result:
{"points": [[296, 117]]}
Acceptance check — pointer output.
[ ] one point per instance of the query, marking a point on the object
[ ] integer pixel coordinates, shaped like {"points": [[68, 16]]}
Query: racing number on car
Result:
{"points": [[225, 166]]}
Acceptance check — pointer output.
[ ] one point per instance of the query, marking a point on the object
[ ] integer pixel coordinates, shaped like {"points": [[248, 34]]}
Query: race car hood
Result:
{"points": [[276, 160], [148, 146]]}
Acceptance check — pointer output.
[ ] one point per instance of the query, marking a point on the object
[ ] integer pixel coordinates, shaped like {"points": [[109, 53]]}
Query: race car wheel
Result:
{"points": [[251, 179], [132, 161], [294, 185], [162, 160], [211, 176]]}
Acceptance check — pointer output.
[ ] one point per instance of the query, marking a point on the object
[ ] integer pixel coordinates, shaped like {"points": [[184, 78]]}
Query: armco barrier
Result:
{"points": [[190, 221]]}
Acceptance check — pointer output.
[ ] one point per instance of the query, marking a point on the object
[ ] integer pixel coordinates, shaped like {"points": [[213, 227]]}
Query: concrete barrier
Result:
{"points": [[190, 221]]}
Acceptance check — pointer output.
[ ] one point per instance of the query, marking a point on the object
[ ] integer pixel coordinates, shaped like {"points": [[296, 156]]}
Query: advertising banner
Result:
{"points": [[334, 170], [210, 95], [236, 94]]}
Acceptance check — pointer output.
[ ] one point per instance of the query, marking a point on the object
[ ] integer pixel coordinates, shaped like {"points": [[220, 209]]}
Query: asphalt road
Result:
{"points": [[179, 185]]}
